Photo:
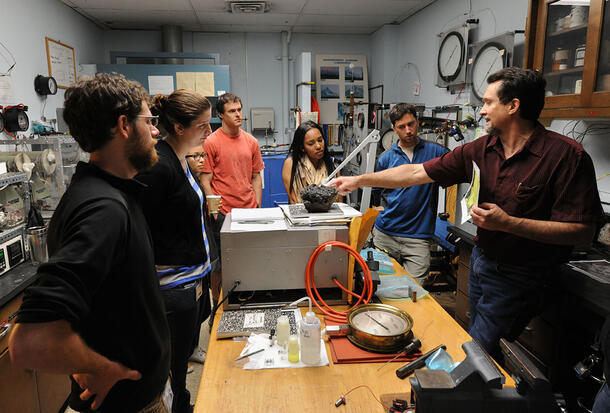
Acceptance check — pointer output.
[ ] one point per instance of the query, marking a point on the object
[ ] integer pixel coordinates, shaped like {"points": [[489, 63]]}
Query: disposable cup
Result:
{"points": [[213, 202]]}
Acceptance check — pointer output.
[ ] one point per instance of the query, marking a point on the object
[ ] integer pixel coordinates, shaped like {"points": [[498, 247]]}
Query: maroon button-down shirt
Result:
{"points": [[551, 179]]}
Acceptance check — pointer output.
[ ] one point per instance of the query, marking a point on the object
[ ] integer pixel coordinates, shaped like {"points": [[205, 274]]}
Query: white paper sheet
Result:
{"points": [[256, 214], [471, 198], [259, 226], [160, 85]]}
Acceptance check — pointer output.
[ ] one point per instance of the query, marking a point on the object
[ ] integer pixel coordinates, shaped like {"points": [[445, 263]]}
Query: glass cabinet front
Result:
{"points": [[602, 83], [565, 46]]}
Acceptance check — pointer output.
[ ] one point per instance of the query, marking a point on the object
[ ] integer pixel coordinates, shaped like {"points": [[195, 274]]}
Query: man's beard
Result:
{"points": [[493, 131], [140, 156]]}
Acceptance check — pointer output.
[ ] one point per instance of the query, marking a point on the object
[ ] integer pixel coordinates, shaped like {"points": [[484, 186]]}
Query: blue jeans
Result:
{"points": [[503, 299], [602, 400]]}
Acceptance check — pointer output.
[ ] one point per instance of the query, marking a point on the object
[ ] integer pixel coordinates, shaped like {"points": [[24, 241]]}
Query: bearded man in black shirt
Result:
{"points": [[96, 312]]}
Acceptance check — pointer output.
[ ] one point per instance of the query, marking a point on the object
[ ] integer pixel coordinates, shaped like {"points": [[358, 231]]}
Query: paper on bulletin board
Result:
{"points": [[471, 198], [163, 85], [200, 82], [7, 96]]}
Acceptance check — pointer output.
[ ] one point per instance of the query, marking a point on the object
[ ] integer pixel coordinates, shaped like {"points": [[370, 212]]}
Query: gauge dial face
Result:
{"points": [[450, 56], [490, 59], [1, 122], [379, 323], [52, 86], [23, 121], [388, 139]]}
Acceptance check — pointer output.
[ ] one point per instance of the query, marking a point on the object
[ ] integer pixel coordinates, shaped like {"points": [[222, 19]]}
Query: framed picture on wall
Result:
{"points": [[61, 62]]}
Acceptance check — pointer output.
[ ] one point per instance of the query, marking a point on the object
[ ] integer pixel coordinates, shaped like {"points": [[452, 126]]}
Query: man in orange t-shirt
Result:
{"points": [[234, 162]]}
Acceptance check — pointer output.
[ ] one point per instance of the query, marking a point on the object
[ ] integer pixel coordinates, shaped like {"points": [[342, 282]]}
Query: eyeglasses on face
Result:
{"points": [[197, 156], [150, 119]]}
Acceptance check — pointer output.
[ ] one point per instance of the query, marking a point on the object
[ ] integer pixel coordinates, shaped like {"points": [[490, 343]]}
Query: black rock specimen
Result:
{"points": [[318, 198]]}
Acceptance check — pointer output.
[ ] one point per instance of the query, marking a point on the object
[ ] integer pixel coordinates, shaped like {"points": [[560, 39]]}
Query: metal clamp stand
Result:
{"points": [[371, 141]]}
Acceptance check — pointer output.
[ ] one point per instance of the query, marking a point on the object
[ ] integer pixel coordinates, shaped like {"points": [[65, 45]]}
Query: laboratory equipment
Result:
{"points": [[37, 244], [15, 118], [310, 335], [380, 328], [293, 349], [282, 330], [476, 384], [270, 264]]}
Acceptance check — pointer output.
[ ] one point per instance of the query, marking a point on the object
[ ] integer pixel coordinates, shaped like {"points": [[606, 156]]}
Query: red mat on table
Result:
{"points": [[343, 351]]}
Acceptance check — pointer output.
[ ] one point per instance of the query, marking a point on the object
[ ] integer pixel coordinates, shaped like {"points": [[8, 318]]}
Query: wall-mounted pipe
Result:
{"points": [[285, 88]]}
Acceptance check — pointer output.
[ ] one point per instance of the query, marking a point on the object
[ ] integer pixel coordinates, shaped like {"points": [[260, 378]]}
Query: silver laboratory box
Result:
{"points": [[270, 265]]}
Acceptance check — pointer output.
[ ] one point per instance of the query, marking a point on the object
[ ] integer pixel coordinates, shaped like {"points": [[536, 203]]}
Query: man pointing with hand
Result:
{"points": [[538, 198]]}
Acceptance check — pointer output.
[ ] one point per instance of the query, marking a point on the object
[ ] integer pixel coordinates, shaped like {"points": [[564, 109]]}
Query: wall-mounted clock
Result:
{"points": [[487, 57], [451, 57]]}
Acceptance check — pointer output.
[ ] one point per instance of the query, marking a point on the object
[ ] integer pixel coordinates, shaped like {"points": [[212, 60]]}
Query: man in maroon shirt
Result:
{"points": [[538, 198]]}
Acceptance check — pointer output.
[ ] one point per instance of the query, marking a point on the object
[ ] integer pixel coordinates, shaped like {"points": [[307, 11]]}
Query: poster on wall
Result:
{"points": [[336, 77]]}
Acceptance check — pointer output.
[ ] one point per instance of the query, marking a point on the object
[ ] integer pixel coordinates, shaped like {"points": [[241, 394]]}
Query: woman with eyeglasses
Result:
{"points": [[309, 161], [174, 206]]}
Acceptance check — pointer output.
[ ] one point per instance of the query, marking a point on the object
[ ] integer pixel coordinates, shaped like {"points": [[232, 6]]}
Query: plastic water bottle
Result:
{"points": [[310, 339]]}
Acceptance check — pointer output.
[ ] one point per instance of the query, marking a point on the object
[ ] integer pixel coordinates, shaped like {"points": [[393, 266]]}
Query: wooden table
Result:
{"points": [[227, 388]]}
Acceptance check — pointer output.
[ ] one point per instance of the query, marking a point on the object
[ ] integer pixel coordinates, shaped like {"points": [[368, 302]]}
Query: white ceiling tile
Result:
{"points": [[153, 18], [361, 7], [248, 19], [334, 29], [343, 21], [143, 5]]}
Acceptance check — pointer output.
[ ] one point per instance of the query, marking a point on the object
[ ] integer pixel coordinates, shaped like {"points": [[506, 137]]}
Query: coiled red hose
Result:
{"points": [[310, 285]]}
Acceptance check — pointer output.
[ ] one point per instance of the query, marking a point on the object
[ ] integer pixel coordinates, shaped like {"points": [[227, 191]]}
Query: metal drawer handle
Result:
{"points": [[4, 329]]}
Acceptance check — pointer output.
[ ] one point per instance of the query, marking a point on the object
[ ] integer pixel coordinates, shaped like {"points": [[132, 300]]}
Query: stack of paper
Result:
{"points": [[257, 219], [339, 214]]}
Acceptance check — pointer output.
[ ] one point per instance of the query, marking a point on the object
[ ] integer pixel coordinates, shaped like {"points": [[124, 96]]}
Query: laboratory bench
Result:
{"points": [[24, 391], [227, 387], [562, 335]]}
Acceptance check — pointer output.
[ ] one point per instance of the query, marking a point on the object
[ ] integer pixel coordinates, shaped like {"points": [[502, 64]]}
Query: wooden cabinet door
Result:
{"points": [[17, 388]]}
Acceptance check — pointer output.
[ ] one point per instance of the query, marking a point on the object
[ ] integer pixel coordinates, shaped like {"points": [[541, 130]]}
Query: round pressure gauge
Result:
{"points": [[451, 56], [380, 328], [488, 60], [15, 118], [45, 85], [388, 138]]}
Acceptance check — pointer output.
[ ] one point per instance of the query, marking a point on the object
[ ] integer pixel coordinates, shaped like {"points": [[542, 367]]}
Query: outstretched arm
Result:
{"points": [[54, 347], [400, 176]]}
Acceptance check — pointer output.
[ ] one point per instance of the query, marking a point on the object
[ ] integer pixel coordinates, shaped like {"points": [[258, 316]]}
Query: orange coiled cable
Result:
{"points": [[367, 290]]}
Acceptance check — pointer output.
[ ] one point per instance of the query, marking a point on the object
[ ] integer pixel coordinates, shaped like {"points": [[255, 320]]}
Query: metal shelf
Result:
{"points": [[11, 233], [12, 178]]}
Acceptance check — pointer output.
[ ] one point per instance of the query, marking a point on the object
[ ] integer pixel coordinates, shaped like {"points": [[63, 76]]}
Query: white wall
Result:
{"points": [[25, 23], [253, 58], [396, 49]]}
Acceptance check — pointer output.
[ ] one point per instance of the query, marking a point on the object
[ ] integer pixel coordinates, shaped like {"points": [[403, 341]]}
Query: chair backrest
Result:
{"points": [[359, 230]]}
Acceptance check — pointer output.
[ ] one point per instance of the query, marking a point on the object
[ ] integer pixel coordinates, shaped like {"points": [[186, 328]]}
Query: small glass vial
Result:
{"points": [[282, 330], [293, 348]]}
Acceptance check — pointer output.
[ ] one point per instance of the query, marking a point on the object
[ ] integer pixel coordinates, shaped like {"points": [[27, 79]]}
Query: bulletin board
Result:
{"points": [[62, 63], [336, 77]]}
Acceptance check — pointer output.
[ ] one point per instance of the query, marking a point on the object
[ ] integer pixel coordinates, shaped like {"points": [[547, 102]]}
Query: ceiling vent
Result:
{"points": [[248, 6]]}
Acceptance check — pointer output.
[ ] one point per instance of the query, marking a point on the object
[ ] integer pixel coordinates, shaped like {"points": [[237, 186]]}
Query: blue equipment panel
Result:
{"points": [[273, 190]]}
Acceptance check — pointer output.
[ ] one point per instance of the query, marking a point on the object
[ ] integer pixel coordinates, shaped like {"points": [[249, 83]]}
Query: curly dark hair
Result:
{"points": [[181, 106], [93, 105], [298, 144], [524, 84]]}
